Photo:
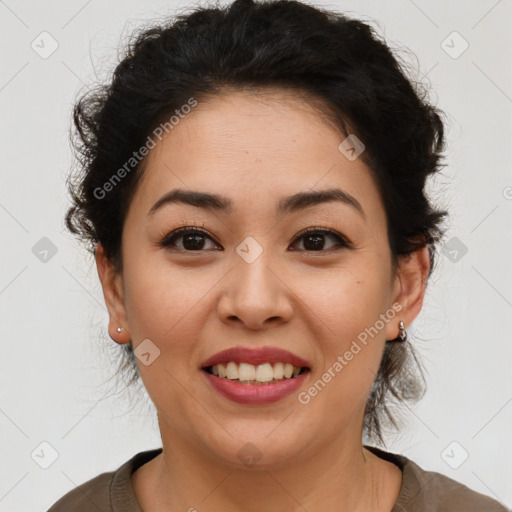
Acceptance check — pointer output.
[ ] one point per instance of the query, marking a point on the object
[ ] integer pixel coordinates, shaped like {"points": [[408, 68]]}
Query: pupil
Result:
{"points": [[317, 244], [196, 242]]}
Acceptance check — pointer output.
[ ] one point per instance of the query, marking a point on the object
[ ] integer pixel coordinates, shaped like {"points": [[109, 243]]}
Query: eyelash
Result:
{"points": [[342, 241]]}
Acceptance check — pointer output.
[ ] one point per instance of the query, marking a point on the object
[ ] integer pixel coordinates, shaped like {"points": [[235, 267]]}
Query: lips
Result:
{"points": [[262, 392], [255, 356], [247, 394]]}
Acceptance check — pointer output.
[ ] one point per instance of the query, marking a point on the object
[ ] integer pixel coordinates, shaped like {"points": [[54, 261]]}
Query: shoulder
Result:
{"points": [[445, 494], [429, 491], [90, 496], [109, 492]]}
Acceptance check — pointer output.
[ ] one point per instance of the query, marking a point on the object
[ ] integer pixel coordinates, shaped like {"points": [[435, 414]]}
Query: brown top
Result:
{"points": [[421, 491]]}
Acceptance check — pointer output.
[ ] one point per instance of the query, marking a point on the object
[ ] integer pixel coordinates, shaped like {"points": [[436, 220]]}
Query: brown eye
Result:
{"points": [[193, 239], [314, 239]]}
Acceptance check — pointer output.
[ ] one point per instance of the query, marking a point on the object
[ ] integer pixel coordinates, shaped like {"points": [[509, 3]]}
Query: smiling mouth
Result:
{"points": [[246, 373]]}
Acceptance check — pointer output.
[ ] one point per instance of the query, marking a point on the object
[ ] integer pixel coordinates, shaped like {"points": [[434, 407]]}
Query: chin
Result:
{"points": [[258, 448]]}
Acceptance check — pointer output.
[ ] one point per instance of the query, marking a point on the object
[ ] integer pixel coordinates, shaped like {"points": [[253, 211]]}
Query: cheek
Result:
{"points": [[170, 307], [166, 307], [347, 300], [350, 305], [350, 339], [159, 298]]}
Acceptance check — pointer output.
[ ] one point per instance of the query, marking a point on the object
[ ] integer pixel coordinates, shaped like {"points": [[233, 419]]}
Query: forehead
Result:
{"points": [[255, 148]]}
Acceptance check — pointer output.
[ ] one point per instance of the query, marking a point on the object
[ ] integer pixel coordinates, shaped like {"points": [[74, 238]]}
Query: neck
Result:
{"points": [[343, 477]]}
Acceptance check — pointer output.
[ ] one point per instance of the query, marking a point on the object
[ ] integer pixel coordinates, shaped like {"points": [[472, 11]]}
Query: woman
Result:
{"points": [[252, 186]]}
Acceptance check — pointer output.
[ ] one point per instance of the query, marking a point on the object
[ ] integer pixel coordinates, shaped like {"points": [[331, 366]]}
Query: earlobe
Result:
{"points": [[410, 287], [111, 283]]}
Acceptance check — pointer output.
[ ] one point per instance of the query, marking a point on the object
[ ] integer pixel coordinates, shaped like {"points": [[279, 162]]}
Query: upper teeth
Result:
{"points": [[261, 373]]}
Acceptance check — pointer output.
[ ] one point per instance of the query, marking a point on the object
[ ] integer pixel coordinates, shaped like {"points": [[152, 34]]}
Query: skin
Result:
{"points": [[256, 150]]}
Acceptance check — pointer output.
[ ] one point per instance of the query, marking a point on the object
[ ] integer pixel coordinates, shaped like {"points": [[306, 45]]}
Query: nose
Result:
{"points": [[255, 295]]}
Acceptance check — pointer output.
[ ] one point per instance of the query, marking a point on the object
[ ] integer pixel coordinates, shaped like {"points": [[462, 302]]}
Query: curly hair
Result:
{"points": [[341, 62]]}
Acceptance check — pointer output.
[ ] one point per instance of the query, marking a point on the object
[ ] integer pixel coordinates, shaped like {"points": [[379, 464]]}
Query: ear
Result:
{"points": [[113, 293], [409, 289]]}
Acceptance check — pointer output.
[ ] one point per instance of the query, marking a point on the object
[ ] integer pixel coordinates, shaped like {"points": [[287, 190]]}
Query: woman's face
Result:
{"points": [[249, 279]]}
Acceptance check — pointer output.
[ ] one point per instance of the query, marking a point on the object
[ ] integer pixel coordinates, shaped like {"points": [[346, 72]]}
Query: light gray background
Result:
{"points": [[53, 314]]}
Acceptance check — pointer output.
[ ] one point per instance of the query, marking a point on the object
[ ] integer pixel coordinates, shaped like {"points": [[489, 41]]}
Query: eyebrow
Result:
{"points": [[287, 205]]}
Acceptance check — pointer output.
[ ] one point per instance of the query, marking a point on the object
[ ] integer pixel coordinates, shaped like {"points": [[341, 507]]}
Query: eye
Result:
{"points": [[314, 239], [193, 239]]}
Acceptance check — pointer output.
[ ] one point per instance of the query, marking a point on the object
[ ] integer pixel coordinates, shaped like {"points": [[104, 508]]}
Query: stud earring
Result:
{"points": [[119, 329]]}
